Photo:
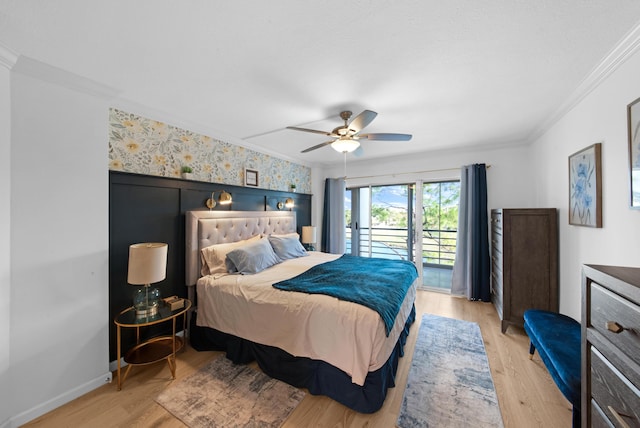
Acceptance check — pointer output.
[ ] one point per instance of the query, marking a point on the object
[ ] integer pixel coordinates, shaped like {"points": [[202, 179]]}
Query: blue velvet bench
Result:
{"points": [[557, 339]]}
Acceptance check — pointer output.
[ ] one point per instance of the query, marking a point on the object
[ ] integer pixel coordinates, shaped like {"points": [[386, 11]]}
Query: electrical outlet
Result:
{"points": [[108, 378]]}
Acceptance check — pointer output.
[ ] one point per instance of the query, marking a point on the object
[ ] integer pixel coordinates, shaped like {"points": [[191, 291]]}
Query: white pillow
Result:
{"points": [[214, 257]]}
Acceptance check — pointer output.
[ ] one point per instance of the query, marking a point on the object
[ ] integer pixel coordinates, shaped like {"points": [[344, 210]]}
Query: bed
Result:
{"points": [[341, 349]]}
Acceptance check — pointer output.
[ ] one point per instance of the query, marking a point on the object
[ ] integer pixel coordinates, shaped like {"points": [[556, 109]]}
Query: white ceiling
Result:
{"points": [[454, 73]]}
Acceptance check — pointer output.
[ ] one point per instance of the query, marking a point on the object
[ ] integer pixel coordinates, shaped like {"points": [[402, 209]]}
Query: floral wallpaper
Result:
{"points": [[145, 146]]}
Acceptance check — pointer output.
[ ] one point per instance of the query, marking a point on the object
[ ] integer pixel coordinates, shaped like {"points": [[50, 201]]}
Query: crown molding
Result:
{"points": [[8, 58], [610, 63], [49, 73]]}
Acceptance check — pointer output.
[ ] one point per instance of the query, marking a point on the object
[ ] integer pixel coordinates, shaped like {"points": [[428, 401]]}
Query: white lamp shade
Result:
{"points": [[308, 234], [147, 263]]}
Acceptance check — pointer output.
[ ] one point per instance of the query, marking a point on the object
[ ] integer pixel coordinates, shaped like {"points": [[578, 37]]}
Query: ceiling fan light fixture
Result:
{"points": [[347, 136], [346, 145]]}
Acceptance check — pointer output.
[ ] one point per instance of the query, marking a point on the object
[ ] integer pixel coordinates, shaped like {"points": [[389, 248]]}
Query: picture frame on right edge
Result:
{"points": [[633, 127], [585, 187]]}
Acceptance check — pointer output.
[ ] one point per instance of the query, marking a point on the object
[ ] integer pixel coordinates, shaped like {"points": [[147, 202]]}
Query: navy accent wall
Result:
{"points": [[146, 208]]}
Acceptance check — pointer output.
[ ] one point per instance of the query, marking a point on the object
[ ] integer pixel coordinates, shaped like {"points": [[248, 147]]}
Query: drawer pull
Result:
{"points": [[619, 417], [614, 327]]}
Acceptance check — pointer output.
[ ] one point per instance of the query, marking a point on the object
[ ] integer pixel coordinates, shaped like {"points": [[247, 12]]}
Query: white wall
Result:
{"points": [[58, 337], [599, 117], [508, 179], [7, 60]]}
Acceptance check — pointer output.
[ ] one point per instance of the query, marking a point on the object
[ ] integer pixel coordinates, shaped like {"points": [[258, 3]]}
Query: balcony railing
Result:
{"points": [[438, 246]]}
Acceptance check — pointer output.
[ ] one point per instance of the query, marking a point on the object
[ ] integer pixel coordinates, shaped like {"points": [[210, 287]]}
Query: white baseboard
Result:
{"points": [[58, 401]]}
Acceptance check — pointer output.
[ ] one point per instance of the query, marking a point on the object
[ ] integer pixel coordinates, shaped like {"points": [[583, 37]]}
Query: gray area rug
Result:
{"points": [[449, 382], [223, 394]]}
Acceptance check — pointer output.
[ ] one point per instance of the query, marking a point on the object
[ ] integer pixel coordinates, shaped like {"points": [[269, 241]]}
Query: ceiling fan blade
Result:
{"points": [[358, 152], [315, 131], [362, 120], [386, 137], [326, 143]]}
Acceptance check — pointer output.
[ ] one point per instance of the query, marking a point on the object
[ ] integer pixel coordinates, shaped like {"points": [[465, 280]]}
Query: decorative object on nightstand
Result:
{"points": [[174, 302], [147, 265], [309, 237]]}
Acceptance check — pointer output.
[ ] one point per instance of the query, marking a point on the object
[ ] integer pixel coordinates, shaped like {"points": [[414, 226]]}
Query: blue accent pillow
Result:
{"points": [[254, 257], [287, 246]]}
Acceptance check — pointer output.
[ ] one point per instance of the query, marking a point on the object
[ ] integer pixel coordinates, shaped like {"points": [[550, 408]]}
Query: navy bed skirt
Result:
{"points": [[318, 377]]}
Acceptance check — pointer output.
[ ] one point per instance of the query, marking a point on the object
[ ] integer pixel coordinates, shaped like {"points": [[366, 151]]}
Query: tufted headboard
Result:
{"points": [[204, 228]]}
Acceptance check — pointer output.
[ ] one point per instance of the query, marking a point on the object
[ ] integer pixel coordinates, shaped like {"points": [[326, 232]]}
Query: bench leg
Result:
{"points": [[532, 350]]}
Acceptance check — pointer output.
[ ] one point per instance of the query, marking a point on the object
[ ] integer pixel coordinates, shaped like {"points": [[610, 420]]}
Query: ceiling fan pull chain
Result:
{"points": [[345, 165]]}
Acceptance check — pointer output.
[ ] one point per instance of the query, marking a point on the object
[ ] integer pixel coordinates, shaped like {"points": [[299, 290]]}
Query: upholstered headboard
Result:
{"points": [[204, 228]]}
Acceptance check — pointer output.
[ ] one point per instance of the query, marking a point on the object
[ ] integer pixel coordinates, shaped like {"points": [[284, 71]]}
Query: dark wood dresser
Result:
{"points": [[524, 262], [610, 346]]}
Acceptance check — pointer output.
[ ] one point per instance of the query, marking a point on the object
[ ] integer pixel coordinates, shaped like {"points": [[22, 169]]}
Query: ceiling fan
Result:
{"points": [[345, 138]]}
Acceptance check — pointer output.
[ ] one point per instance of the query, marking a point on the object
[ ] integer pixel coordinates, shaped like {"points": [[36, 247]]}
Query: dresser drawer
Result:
{"points": [[598, 418], [616, 396], [607, 307]]}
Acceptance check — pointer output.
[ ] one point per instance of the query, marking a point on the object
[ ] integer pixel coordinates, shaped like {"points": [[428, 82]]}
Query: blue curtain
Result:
{"points": [[471, 275], [333, 227]]}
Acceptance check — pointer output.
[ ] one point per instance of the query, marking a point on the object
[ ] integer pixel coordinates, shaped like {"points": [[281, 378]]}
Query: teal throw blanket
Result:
{"points": [[378, 284]]}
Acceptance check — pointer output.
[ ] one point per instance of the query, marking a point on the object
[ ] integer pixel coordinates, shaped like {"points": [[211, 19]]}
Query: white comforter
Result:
{"points": [[348, 336]]}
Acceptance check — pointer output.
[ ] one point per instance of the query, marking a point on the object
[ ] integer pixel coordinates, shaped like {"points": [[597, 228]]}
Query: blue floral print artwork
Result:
{"points": [[634, 151], [583, 188]]}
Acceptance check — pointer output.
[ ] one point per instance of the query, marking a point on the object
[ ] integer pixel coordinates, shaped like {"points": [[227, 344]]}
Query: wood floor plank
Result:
{"points": [[526, 393]]}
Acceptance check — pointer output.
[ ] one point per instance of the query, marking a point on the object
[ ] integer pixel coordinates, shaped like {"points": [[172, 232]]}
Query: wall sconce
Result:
{"points": [[223, 199], [288, 203]]}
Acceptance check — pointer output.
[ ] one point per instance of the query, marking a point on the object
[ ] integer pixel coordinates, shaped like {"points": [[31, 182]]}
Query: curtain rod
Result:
{"points": [[406, 173]]}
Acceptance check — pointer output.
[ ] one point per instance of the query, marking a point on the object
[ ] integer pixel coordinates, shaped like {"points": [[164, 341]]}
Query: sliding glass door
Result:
{"points": [[382, 221], [440, 201], [378, 221]]}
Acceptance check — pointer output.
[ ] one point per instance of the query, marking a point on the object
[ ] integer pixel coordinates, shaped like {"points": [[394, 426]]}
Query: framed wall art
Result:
{"points": [[633, 125], [585, 187], [250, 177]]}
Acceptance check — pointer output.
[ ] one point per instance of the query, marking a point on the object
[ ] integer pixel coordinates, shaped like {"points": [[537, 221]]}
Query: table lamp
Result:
{"points": [[147, 265], [309, 237]]}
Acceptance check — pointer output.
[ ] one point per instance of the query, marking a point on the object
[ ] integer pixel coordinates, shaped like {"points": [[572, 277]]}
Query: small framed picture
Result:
{"points": [[250, 177], [633, 127], [585, 187]]}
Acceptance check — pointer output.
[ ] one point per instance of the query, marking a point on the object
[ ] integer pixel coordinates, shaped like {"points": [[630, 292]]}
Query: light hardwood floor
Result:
{"points": [[527, 395]]}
